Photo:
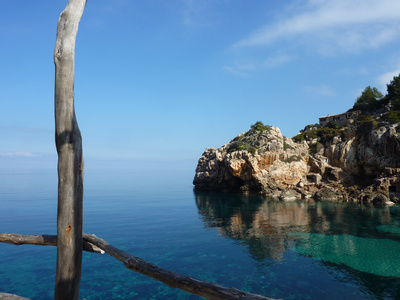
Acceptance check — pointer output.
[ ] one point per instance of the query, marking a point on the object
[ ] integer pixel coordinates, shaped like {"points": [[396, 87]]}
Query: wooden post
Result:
{"points": [[70, 158]]}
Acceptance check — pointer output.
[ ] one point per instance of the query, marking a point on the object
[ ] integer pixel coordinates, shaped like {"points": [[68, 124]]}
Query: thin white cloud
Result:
{"points": [[241, 68], [192, 11], [386, 78], [320, 90], [244, 67], [102, 11], [200, 13], [17, 154], [352, 71], [273, 62], [348, 25]]}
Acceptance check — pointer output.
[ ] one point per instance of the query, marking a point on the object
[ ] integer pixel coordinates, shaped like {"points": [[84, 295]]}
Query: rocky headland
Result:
{"points": [[354, 156]]}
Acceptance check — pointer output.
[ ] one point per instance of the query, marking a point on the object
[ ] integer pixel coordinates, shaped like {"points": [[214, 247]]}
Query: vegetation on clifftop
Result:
{"points": [[372, 108], [250, 141], [342, 157], [372, 101], [369, 100], [260, 127], [324, 134]]}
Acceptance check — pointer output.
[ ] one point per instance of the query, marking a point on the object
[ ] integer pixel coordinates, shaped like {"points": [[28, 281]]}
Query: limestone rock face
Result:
{"points": [[362, 166], [366, 154], [347, 164], [258, 160]]}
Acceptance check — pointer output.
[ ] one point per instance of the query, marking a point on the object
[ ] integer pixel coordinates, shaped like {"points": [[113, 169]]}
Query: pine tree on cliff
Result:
{"points": [[393, 92]]}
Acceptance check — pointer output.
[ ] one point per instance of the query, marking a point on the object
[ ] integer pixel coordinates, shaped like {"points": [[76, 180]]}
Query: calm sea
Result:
{"points": [[294, 250]]}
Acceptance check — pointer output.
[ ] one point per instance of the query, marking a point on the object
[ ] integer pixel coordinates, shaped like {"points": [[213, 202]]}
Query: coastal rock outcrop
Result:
{"points": [[260, 160], [357, 162]]}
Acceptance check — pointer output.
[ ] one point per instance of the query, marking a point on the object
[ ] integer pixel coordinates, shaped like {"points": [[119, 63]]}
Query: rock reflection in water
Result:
{"points": [[356, 243], [264, 225], [267, 224]]}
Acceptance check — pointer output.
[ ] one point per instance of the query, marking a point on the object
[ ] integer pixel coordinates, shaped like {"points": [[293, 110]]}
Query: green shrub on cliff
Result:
{"points": [[394, 117], [250, 141], [286, 146], [365, 123], [237, 145], [348, 133], [327, 134], [324, 134], [299, 138], [311, 127], [259, 126], [364, 119], [240, 145], [253, 150], [313, 147]]}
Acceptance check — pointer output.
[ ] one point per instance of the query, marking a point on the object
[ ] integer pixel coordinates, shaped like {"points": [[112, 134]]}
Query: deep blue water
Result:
{"points": [[297, 250]]}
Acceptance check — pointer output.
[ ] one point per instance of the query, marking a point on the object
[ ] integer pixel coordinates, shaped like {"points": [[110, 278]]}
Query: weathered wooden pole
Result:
{"points": [[70, 158]]}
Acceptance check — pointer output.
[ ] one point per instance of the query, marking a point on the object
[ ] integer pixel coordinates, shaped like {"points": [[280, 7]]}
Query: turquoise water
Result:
{"points": [[298, 250]]}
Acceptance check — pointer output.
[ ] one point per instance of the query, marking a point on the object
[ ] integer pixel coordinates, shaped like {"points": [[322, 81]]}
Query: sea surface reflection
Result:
{"points": [[296, 250], [354, 242]]}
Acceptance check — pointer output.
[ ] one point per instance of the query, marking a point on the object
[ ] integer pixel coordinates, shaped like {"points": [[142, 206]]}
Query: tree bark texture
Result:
{"points": [[70, 158], [5, 296], [189, 284]]}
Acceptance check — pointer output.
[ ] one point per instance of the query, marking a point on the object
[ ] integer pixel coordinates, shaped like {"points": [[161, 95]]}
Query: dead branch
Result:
{"points": [[189, 284], [41, 240], [5, 296]]}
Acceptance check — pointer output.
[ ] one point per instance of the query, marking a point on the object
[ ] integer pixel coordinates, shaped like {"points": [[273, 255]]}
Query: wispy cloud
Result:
{"points": [[333, 25], [192, 11], [242, 68], [387, 77], [17, 154], [199, 13], [102, 11], [245, 66], [320, 90], [276, 61]]}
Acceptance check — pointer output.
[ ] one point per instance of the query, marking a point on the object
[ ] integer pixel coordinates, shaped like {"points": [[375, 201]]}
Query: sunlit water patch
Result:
{"points": [[375, 256], [390, 228]]}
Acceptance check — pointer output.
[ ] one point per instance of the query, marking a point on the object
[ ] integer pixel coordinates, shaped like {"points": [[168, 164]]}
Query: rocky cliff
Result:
{"points": [[356, 162]]}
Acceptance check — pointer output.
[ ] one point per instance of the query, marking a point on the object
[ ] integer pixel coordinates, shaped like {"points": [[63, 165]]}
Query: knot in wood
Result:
{"points": [[59, 52]]}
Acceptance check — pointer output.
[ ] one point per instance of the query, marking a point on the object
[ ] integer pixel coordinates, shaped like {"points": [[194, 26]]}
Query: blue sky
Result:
{"points": [[157, 82]]}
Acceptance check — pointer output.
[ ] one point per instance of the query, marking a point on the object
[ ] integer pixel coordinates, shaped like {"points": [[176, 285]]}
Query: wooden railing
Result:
{"points": [[92, 243]]}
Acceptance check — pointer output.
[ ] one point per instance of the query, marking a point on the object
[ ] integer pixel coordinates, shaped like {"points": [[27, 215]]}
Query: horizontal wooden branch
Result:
{"points": [[5, 296], [189, 284], [41, 240]]}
